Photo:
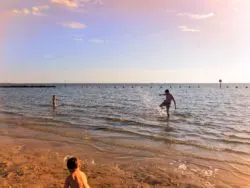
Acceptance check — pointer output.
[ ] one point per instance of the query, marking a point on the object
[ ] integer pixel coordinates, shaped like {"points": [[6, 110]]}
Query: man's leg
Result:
{"points": [[168, 110], [162, 104]]}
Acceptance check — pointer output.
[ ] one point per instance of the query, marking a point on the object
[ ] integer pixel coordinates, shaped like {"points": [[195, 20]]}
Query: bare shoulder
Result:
{"points": [[83, 174], [85, 181]]}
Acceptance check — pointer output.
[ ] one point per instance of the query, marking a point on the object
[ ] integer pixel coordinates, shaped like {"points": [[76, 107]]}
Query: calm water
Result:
{"points": [[209, 123]]}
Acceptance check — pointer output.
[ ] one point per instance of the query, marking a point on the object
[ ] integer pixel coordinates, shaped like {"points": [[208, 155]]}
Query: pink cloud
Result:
{"points": [[197, 16], [73, 25], [187, 29], [67, 3], [36, 11]]}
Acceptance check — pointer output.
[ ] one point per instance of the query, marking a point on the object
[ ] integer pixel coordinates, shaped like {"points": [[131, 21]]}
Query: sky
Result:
{"points": [[124, 41]]}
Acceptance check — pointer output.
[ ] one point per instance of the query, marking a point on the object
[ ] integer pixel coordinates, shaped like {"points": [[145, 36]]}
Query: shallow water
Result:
{"points": [[209, 123]]}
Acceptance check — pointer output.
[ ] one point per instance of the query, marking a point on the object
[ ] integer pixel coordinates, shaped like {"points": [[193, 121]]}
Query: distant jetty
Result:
{"points": [[26, 86]]}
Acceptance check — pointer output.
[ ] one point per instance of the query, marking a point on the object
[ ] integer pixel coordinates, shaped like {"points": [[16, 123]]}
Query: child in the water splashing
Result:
{"points": [[167, 101]]}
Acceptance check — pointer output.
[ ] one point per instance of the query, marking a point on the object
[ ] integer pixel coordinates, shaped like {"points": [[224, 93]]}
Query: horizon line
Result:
{"points": [[63, 83]]}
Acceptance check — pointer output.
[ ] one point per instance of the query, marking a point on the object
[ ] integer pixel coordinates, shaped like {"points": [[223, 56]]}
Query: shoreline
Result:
{"points": [[28, 155]]}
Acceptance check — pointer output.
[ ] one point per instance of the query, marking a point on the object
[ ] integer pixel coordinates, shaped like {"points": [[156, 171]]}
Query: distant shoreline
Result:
{"points": [[26, 86]]}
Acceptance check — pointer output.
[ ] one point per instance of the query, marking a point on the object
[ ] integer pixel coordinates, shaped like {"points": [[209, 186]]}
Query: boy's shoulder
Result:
{"points": [[82, 173]]}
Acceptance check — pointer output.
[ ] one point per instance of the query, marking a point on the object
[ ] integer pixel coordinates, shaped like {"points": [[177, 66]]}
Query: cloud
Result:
{"points": [[97, 41], [26, 11], [36, 11], [76, 4], [39, 10], [196, 16], [186, 29], [15, 11], [100, 2], [77, 38], [68, 3], [73, 25]]}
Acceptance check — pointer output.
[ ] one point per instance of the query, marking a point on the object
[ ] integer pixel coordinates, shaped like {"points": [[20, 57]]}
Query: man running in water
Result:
{"points": [[167, 101]]}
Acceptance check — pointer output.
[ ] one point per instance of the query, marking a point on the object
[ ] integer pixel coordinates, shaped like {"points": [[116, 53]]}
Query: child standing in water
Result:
{"points": [[54, 99], [77, 178], [167, 101]]}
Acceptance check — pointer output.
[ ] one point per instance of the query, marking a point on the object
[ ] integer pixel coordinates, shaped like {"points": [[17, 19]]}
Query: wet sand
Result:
{"points": [[29, 162]]}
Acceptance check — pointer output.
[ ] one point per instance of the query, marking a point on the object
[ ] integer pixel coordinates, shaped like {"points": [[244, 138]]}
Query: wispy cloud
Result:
{"points": [[78, 38], [93, 1], [76, 3], [187, 29], [26, 11], [36, 11], [73, 25], [68, 3], [97, 41], [196, 16]]}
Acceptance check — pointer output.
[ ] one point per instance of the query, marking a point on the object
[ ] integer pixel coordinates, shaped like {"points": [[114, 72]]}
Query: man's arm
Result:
{"points": [[174, 101], [162, 94]]}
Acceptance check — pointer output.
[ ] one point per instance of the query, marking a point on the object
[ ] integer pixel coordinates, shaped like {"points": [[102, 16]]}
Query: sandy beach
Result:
{"points": [[29, 162]]}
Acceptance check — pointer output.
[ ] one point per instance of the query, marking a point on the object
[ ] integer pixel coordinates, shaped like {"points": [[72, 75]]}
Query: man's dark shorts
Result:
{"points": [[165, 103]]}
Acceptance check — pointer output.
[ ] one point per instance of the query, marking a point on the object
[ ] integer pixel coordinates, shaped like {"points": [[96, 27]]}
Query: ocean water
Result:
{"points": [[209, 123]]}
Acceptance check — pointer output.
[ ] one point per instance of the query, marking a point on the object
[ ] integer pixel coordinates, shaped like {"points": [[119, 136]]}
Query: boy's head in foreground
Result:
{"points": [[73, 164], [166, 91], [77, 178]]}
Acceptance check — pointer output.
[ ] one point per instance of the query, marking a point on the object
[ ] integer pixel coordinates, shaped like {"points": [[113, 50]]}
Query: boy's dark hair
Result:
{"points": [[166, 91], [72, 163]]}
